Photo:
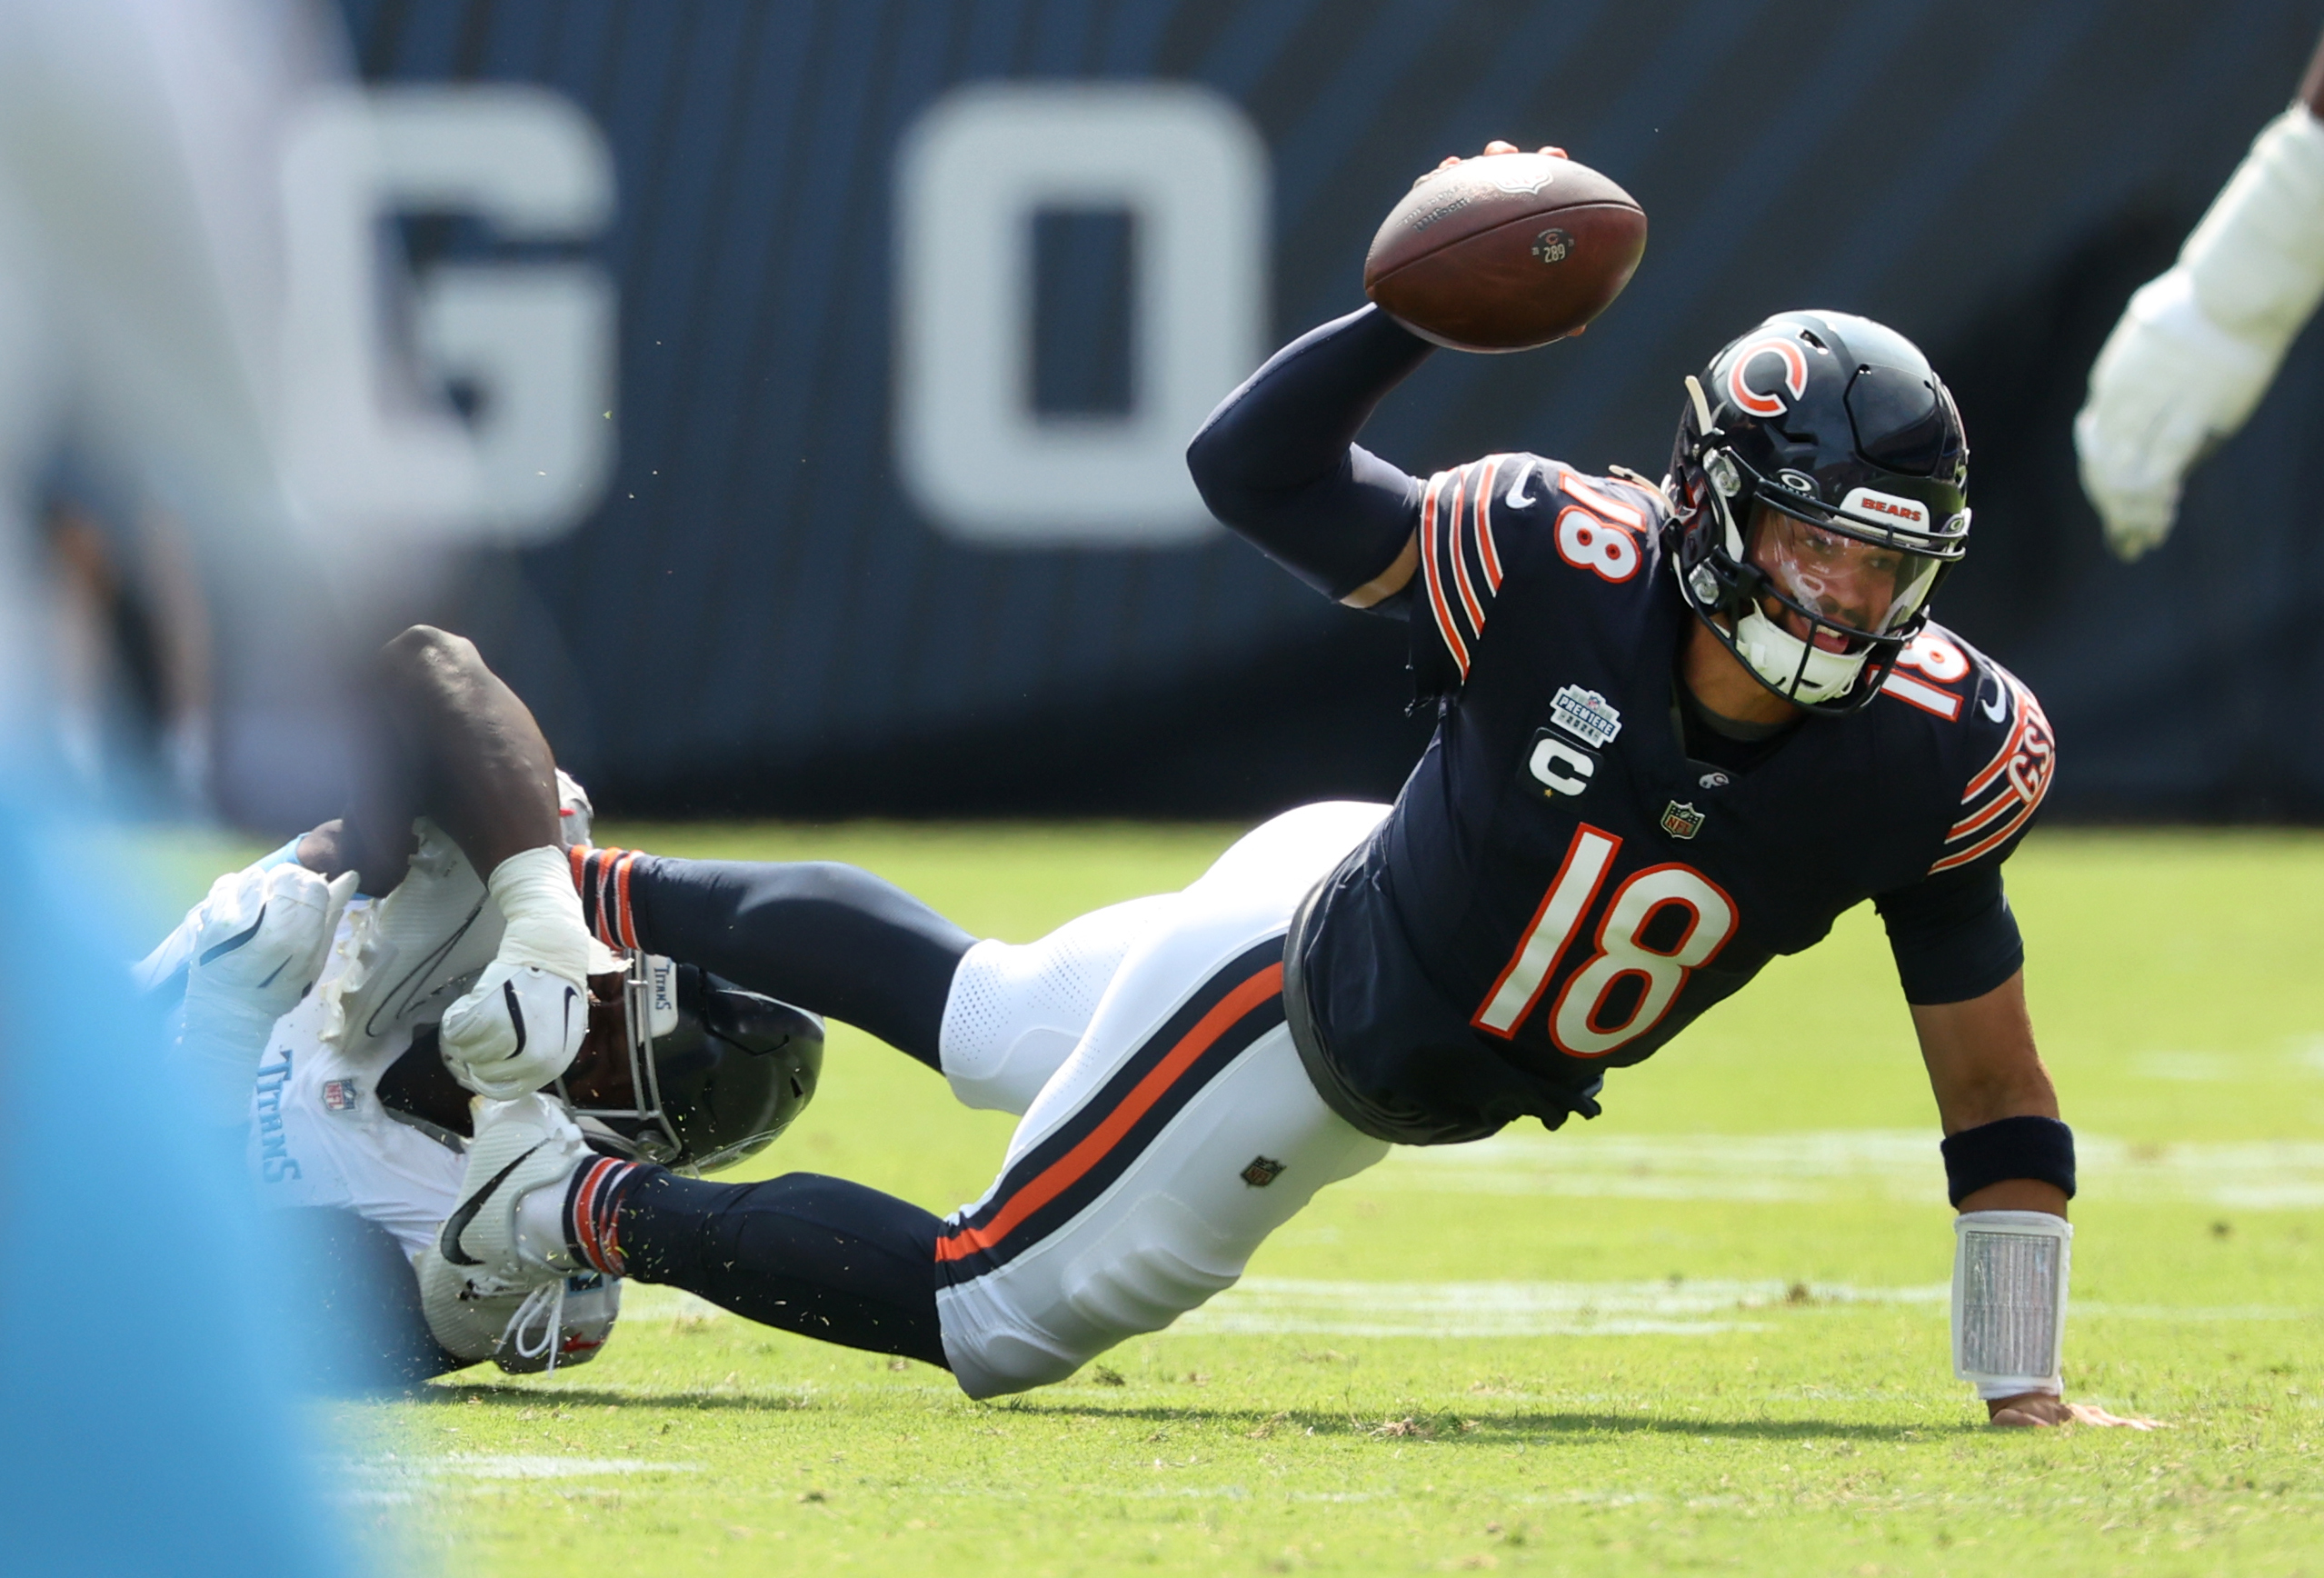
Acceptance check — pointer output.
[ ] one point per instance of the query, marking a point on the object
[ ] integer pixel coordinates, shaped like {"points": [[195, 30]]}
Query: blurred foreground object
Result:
{"points": [[178, 236], [2199, 344], [145, 1425]]}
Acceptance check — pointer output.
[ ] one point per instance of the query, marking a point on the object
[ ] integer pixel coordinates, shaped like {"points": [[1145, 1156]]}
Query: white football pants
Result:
{"points": [[1168, 1126]]}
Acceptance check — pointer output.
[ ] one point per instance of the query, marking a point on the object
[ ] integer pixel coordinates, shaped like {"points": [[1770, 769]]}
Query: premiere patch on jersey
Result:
{"points": [[1262, 1171], [1556, 765], [339, 1094], [1587, 716], [1681, 820]]}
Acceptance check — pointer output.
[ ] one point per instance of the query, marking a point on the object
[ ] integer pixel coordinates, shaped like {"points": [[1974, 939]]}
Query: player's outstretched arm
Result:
{"points": [[2010, 1166], [2199, 345]]}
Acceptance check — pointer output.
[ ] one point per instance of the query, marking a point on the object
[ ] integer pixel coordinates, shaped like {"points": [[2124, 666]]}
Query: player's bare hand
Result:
{"points": [[2039, 1410], [1497, 146]]}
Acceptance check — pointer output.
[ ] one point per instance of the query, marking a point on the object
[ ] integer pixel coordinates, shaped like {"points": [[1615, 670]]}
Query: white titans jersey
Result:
{"points": [[318, 1133], [319, 1136]]}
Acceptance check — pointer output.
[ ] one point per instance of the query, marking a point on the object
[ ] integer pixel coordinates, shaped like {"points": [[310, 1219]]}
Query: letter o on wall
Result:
{"points": [[973, 172]]}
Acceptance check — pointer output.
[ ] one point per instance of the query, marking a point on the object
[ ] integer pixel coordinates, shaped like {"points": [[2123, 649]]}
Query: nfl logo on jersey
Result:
{"points": [[339, 1094], [1681, 820]]}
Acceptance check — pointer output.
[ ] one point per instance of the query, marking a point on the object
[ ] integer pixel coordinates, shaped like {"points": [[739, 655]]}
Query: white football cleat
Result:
{"points": [[521, 1145], [515, 1030]]}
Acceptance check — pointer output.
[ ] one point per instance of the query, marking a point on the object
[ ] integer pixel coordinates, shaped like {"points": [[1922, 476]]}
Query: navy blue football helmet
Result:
{"points": [[1818, 493]]}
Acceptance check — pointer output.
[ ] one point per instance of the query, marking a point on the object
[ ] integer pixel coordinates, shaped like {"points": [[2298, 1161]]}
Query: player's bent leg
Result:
{"points": [[1158, 1235], [1111, 1216], [1016, 1012], [1181, 1132]]}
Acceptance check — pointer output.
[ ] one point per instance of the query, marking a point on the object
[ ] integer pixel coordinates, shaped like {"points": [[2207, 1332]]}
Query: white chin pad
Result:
{"points": [[2010, 1269], [1775, 653]]}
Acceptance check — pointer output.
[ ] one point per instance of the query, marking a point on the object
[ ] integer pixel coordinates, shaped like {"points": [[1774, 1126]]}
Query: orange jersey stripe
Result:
{"points": [[1433, 578], [1453, 534], [1487, 550], [1992, 841], [622, 883], [1062, 1173], [2000, 762], [1997, 807]]}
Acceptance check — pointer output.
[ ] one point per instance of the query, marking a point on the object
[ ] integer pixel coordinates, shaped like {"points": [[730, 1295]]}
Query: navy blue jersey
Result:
{"points": [[1561, 888]]}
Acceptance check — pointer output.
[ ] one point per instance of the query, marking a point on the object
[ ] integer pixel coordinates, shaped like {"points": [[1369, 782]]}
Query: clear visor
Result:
{"points": [[1834, 591]]}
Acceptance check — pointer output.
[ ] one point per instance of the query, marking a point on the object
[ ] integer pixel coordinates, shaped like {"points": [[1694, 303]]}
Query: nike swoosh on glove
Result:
{"points": [[516, 1029], [263, 935]]}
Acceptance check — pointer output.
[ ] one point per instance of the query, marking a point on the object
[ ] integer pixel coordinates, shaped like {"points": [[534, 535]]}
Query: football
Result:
{"points": [[1505, 251]]}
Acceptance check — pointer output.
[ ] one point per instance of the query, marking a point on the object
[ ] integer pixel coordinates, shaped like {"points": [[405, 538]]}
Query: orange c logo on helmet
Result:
{"points": [[1795, 376]]}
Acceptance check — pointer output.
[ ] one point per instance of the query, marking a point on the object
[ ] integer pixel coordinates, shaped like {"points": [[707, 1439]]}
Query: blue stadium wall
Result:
{"points": [[758, 618]]}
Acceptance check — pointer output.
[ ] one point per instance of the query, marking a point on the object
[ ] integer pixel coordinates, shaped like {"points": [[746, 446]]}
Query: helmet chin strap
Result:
{"points": [[1701, 407]]}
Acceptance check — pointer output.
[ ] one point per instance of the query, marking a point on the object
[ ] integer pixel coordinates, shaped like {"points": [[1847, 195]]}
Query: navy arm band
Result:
{"points": [[2041, 1148], [1277, 460]]}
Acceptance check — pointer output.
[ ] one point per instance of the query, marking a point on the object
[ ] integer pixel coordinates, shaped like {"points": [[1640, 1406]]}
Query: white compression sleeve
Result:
{"points": [[2257, 259], [2198, 347], [2010, 1270], [533, 891]]}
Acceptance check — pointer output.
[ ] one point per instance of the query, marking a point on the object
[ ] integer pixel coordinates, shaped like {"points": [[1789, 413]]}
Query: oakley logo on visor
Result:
{"points": [[1881, 506]]}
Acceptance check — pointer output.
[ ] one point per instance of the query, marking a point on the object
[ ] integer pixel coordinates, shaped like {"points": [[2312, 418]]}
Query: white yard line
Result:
{"points": [[390, 1478], [1841, 1164], [1268, 1307], [1288, 1307]]}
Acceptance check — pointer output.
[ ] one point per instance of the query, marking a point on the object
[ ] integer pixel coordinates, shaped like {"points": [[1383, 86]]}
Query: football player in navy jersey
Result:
{"points": [[1683, 727]]}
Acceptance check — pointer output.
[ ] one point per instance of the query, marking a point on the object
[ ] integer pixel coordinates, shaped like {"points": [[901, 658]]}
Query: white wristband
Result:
{"points": [[2010, 1269], [541, 908]]}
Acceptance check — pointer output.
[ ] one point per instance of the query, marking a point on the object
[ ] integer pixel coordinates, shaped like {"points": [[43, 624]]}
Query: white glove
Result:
{"points": [[521, 1024], [2169, 386], [517, 1029], [259, 941]]}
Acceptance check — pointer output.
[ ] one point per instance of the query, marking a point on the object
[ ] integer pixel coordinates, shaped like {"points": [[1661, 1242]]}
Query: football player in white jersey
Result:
{"points": [[348, 1032]]}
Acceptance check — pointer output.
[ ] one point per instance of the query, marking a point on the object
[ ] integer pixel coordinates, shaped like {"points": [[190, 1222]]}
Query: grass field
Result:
{"points": [[1707, 1330]]}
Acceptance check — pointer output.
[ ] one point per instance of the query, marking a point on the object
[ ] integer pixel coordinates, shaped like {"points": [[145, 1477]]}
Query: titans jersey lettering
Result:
{"points": [[1561, 888]]}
